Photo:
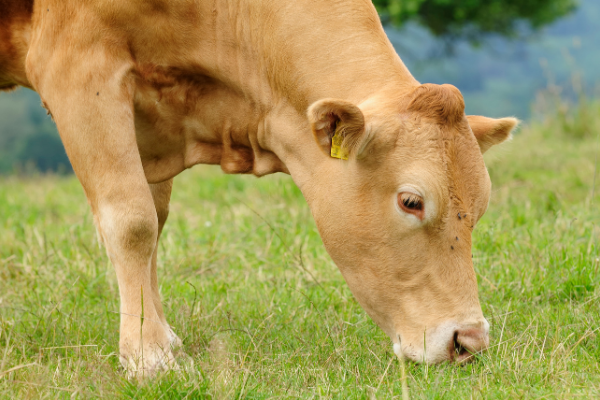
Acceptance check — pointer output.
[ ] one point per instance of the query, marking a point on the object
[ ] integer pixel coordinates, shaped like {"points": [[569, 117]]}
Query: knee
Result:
{"points": [[129, 228], [139, 230]]}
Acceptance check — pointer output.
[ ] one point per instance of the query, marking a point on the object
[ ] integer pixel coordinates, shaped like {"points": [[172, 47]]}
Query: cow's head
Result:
{"points": [[397, 215]]}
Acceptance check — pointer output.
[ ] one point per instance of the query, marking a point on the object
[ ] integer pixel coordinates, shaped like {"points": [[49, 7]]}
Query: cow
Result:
{"points": [[391, 169]]}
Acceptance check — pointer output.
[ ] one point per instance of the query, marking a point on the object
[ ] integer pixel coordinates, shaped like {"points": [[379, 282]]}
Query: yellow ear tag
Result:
{"points": [[337, 151]]}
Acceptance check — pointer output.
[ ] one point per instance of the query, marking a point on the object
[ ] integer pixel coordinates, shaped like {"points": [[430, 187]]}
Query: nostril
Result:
{"points": [[460, 352], [468, 341]]}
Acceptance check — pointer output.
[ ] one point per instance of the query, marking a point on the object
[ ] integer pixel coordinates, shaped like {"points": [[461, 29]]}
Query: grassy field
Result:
{"points": [[263, 311]]}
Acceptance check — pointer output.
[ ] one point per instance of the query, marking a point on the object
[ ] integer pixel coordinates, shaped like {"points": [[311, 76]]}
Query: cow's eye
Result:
{"points": [[411, 203]]}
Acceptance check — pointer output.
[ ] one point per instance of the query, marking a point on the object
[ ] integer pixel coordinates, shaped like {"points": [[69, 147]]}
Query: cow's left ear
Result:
{"points": [[489, 131], [339, 118]]}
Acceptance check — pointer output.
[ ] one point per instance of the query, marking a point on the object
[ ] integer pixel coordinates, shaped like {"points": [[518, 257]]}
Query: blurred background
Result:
{"points": [[533, 59]]}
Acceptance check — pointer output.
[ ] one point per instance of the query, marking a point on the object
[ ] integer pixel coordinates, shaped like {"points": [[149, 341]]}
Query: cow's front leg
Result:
{"points": [[130, 232], [90, 95]]}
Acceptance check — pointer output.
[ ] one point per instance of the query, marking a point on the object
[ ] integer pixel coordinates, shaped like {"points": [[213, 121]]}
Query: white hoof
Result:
{"points": [[148, 364]]}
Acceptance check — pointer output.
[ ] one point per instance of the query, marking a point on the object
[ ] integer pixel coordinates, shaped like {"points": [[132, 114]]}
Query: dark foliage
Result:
{"points": [[43, 151], [472, 19]]}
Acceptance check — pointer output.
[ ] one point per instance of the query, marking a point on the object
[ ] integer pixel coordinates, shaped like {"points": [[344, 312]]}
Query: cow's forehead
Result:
{"points": [[465, 169], [445, 156]]}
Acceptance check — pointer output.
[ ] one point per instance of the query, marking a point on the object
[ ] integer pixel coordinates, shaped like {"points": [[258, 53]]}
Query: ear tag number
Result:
{"points": [[337, 151]]}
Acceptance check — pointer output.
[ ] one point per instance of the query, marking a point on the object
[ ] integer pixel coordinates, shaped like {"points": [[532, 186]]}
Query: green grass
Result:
{"points": [[255, 324]]}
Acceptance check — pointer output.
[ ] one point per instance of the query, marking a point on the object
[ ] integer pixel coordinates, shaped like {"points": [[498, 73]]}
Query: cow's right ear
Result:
{"points": [[339, 118]]}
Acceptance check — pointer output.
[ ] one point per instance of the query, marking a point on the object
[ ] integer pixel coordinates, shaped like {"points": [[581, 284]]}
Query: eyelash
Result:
{"points": [[411, 203]]}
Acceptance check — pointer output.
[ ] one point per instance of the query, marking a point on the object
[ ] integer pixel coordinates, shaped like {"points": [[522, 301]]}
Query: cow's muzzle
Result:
{"points": [[449, 341]]}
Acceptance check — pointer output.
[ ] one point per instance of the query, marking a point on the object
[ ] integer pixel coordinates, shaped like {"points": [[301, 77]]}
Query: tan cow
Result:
{"points": [[141, 90]]}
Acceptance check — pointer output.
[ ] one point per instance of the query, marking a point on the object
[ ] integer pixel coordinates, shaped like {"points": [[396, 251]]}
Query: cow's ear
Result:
{"points": [[489, 131], [339, 118]]}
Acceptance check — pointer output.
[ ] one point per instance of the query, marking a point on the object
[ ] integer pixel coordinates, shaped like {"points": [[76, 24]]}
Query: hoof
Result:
{"points": [[149, 364]]}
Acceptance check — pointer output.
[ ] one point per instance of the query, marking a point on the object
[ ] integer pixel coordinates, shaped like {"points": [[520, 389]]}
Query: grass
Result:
{"points": [[263, 311]]}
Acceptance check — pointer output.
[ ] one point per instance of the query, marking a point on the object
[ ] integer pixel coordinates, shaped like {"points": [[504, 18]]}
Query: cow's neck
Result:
{"points": [[349, 58]]}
